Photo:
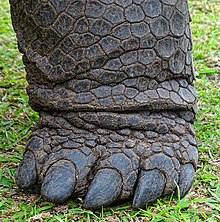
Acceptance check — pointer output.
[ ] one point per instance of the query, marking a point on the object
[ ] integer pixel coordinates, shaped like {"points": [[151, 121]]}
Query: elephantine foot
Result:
{"points": [[105, 157]]}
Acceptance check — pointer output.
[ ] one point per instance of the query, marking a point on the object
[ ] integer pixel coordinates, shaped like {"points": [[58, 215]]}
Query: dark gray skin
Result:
{"points": [[113, 83]]}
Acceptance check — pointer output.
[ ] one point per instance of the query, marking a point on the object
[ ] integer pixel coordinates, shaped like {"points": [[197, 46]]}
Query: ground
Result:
{"points": [[16, 119]]}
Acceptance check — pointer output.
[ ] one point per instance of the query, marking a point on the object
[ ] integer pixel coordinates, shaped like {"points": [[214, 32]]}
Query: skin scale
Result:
{"points": [[112, 81]]}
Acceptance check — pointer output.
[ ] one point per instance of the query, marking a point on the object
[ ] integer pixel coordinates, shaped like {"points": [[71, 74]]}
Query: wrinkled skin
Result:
{"points": [[113, 83]]}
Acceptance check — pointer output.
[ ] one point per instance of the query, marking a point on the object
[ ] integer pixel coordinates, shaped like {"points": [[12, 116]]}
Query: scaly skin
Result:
{"points": [[113, 83]]}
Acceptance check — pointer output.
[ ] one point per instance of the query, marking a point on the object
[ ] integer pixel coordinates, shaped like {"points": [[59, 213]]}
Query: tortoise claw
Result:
{"points": [[187, 174], [150, 186], [104, 189], [27, 175], [59, 182]]}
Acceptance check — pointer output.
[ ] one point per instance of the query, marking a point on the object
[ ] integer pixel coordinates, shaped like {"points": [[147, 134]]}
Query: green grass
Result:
{"points": [[16, 119]]}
